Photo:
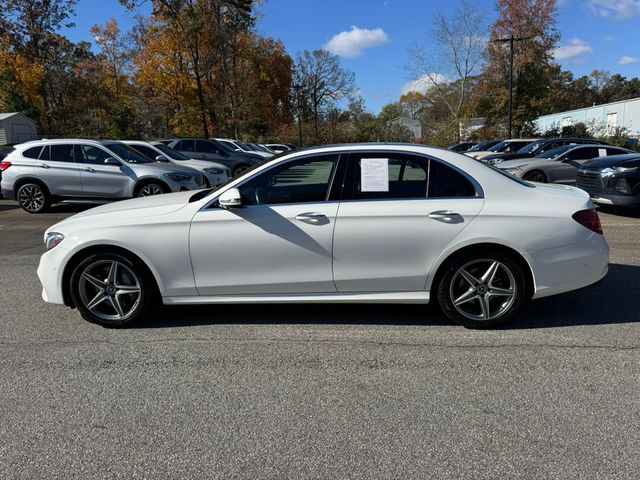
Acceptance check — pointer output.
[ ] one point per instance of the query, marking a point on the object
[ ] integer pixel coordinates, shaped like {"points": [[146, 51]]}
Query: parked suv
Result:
{"points": [[536, 148], [214, 151], [43, 172], [215, 174], [612, 180]]}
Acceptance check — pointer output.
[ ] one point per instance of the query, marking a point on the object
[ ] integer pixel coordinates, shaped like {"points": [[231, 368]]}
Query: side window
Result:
{"points": [[203, 146], [407, 175], [614, 151], [298, 181], [146, 151], [61, 153], [186, 146], [444, 181], [92, 155], [33, 152]]}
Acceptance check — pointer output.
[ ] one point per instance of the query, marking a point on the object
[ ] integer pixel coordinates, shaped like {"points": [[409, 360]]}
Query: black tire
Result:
{"points": [[535, 176], [238, 169], [133, 307], [150, 188], [453, 285], [33, 198]]}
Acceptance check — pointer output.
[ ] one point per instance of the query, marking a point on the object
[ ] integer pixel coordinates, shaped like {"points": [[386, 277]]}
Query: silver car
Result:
{"points": [[559, 165], [215, 174], [40, 173]]}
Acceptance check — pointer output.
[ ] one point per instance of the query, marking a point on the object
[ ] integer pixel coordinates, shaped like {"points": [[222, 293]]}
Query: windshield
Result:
{"points": [[128, 154], [532, 147], [499, 147], [479, 147], [223, 146], [509, 176], [170, 152], [555, 152]]}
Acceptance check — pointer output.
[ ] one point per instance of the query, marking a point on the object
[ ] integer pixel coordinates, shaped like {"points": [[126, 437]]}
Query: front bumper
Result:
{"points": [[216, 180], [610, 196], [50, 271]]}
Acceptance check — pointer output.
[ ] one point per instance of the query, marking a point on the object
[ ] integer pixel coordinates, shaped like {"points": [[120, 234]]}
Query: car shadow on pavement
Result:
{"points": [[4, 208], [614, 300], [620, 211]]}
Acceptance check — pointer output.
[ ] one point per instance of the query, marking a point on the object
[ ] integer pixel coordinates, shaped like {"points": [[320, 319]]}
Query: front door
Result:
{"points": [[278, 242], [391, 228], [100, 179]]}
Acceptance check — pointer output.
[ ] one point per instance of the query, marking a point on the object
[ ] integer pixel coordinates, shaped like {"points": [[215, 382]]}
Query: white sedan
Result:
{"points": [[357, 223]]}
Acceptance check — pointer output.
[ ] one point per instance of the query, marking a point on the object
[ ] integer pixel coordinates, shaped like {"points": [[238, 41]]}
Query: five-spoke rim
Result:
{"points": [[150, 189], [483, 289], [536, 177], [31, 198], [110, 290]]}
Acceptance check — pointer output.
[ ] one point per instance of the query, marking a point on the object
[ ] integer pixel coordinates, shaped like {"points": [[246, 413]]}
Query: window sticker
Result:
{"points": [[374, 175], [602, 152]]}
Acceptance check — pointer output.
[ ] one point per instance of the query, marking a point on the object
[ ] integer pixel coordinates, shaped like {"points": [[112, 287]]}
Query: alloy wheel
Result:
{"points": [[536, 176], [483, 289], [110, 290], [31, 198], [150, 189]]}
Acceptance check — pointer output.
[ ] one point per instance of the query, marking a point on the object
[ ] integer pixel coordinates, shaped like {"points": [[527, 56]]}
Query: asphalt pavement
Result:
{"points": [[322, 391]]}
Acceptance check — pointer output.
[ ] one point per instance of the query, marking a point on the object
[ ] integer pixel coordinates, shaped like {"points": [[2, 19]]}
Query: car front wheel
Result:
{"points": [[149, 189], [240, 169], [111, 290], [482, 291]]}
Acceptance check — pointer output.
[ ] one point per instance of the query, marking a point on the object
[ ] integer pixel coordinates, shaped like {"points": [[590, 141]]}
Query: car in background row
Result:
{"points": [[558, 165], [612, 180], [538, 147], [280, 147], [242, 147], [505, 146], [40, 173], [213, 151], [483, 146], [215, 174], [461, 147]]}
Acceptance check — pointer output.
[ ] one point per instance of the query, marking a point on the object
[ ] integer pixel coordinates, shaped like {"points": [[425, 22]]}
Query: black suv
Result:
{"points": [[538, 147], [612, 180], [214, 151]]}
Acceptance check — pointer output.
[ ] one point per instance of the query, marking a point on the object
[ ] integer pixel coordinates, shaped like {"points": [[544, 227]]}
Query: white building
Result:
{"points": [[16, 128], [412, 125], [600, 119]]}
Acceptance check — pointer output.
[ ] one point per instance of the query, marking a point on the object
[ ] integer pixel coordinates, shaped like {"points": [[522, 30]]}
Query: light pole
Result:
{"points": [[511, 41], [297, 88]]}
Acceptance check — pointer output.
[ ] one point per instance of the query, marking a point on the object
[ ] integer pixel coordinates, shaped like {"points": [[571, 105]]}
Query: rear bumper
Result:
{"points": [[571, 267], [8, 194]]}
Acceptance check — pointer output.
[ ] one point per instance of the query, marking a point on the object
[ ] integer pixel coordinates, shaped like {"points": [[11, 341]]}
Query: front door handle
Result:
{"points": [[313, 218], [44, 165], [446, 216], [89, 169]]}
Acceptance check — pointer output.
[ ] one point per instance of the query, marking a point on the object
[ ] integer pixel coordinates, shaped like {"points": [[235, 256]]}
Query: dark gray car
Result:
{"points": [[214, 151]]}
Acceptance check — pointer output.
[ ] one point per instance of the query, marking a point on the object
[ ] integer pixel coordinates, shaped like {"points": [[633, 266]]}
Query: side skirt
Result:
{"points": [[381, 297]]}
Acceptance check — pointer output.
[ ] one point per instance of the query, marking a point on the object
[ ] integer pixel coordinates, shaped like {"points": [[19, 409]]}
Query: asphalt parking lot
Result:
{"points": [[319, 391]]}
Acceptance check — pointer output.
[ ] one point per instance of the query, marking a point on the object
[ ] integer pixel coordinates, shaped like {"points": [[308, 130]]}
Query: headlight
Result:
{"points": [[513, 170], [178, 177], [53, 239], [613, 170], [493, 161], [214, 171]]}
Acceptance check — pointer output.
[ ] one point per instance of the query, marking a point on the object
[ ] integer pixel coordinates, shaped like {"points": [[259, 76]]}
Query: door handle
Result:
{"points": [[312, 217], [89, 169], [44, 165], [446, 216]]}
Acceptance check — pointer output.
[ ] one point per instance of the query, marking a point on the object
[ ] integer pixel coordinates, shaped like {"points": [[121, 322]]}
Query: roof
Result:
{"points": [[4, 116]]}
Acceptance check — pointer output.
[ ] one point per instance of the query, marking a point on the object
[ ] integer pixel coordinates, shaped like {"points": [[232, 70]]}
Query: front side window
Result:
{"points": [[92, 155], [186, 146], [203, 146], [299, 181], [61, 153]]}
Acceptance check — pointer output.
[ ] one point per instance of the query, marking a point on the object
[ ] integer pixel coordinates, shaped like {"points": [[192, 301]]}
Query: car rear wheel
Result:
{"points": [[149, 189], [111, 290], [33, 198], [535, 176], [482, 291]]}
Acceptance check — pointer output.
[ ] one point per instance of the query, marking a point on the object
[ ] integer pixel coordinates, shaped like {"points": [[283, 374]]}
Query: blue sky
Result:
{"points": [[373, 36]]}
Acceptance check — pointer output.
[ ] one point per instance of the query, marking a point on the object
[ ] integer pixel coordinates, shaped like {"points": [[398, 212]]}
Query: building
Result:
{"points": [[470, 125], [16, 128], [410, 124], [601, 120]]}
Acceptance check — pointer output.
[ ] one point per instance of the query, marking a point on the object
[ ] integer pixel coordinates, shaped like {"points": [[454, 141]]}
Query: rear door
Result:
{"points": [[398, 212], [60, 171], [100, 180]]}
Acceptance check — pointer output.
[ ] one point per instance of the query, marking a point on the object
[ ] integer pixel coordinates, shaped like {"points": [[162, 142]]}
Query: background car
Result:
{"points": [[40, 173], [461, 147], [242, 147], [211, 150], [612, 180], [538, 147], [505, 146], [215, 174], [280, 147], [483, 146], [558, 165]]}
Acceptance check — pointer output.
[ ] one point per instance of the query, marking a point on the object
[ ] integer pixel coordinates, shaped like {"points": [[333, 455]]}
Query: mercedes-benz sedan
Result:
{"points": [[356, 223]]}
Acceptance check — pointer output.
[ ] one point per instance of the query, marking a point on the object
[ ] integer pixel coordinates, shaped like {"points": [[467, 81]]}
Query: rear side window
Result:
{"points": [[33, 152], [186, 146], [205, 147], [61, 153], [444, 181]]}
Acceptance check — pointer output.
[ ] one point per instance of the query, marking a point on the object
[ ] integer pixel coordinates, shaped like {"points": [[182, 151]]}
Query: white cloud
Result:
{"points": [[424, 83], [617, 9], [574, 52], [353, 43], [627, 60], [608, 39]]}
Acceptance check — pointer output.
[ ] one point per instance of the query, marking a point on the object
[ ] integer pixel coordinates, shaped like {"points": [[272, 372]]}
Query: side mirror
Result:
{"points": [[230, 199], [111, 161], [162, 158]]}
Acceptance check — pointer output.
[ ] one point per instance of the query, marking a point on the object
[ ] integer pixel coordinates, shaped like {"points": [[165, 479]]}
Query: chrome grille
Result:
{"points": [[588, 179]]}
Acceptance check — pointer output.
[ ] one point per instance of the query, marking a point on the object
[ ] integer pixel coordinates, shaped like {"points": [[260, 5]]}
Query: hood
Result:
{"points": [[194, 163], [126, 210], [508, 156], [517, 163], [631, 160], [247, 157], [160, 168]]}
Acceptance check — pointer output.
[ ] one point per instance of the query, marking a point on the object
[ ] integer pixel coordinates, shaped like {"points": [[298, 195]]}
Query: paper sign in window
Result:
{"points": [[374, 175], [602, 152]]}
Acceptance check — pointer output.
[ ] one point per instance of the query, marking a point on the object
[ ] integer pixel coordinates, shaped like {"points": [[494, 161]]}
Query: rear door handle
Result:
{"points": [[89, 169], [313, 218], [446, 216], [44, 165]]}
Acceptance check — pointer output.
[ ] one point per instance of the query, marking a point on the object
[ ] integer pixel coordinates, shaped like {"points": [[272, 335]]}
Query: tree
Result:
{"points": [[455, 58], [115, 53], [323, 82]]}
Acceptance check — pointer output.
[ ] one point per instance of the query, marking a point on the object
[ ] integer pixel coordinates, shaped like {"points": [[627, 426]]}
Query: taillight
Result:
{"points": [[588, 219], [4, 165]]}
